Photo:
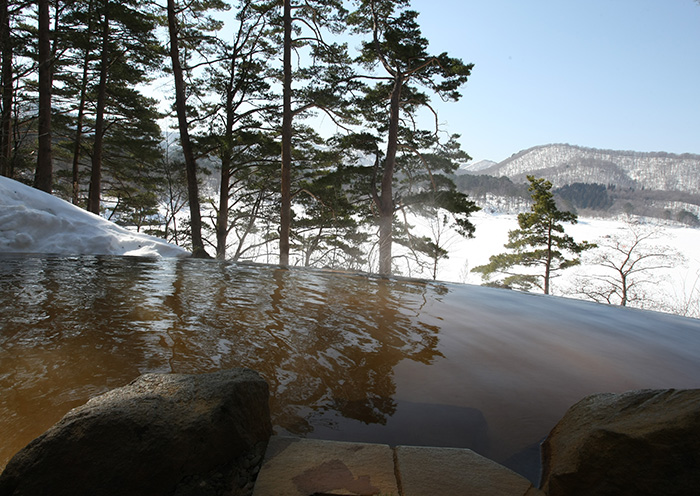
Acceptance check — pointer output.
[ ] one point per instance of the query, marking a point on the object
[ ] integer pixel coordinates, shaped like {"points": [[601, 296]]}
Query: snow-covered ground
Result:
{"points": [[32, 221], [670, 289], [492, 233]]}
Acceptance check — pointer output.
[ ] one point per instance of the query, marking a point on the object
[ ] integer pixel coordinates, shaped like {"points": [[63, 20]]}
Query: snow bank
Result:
{"points": [[32, 221]]}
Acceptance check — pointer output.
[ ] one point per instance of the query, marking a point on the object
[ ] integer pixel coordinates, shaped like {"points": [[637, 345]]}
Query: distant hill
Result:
{"points": [[657, 184], [476, 166], [567, 164]]}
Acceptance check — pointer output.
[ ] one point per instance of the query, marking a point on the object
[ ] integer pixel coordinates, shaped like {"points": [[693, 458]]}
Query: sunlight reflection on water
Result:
{"points": [[347, 357]]}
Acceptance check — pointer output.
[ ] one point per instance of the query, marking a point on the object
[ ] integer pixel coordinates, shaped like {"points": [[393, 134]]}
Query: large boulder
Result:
{"points": [[636, 443], [161, 434]]}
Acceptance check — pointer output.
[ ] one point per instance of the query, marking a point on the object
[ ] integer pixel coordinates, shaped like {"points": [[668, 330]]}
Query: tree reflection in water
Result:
{"points": [[324, 342], [347, 357]]}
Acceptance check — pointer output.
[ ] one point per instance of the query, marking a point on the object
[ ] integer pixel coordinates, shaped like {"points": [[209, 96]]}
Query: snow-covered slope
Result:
{"points": [[565, 164], [473, 167], [32, 221]]}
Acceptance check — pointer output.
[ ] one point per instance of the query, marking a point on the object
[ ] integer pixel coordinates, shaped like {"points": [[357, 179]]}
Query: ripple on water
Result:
{"points": [[347, 357]]}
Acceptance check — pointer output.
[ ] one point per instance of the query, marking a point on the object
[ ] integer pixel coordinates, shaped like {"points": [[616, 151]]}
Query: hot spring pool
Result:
{"points": [[347, 357]]}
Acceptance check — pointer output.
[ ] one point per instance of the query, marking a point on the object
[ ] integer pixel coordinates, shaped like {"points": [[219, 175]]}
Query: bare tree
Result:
{"points": [[628, 261], [685, 299]]}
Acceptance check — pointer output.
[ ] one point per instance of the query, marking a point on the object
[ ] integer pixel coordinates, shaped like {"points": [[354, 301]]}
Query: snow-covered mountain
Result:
{"points": [[476, 166], [565, 164], [606, 182]]}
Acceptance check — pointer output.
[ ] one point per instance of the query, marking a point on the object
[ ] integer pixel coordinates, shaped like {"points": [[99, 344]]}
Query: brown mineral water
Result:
{"points": [[347, 357]]}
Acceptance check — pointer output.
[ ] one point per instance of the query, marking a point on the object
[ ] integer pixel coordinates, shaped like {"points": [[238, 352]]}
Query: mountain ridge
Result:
{"points": [[610, 182], [564, 164]]}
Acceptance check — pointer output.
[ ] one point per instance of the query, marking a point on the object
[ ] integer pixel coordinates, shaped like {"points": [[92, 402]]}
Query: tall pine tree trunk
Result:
{"points": [[222, 215], [81, 113], [226, 149], [79, 132], [548, 261], [386, 197], [7, 92], [190, 163], [286, 170], [43, 177], [96, 173]]}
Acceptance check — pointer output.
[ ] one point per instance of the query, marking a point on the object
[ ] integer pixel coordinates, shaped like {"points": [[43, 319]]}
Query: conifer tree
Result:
{"points": [[539, 248], [6, 89], [319, 86], [189, 28], [97, 148], [83, 42], [333, 191], [397, 59], [111, 48], [43, 178], [237, 121]]}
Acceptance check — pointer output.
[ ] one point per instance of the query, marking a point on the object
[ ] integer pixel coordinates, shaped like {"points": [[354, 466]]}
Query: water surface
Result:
{"points": [[347, 357]]}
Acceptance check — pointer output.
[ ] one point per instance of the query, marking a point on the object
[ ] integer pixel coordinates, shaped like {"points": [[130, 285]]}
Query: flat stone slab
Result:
{"points": [[432, 471], [306, 467]]}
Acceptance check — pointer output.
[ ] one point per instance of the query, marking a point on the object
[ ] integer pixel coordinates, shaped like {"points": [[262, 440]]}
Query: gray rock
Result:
{"points": [[161, 434], [637, 443]]}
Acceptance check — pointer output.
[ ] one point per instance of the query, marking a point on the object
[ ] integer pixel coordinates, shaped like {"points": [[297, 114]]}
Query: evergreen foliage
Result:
{"points": [[233, 125], [481, 185], [582, 195], [102, 52], [190, 28], [540, 245], [396, 59], [241, 106], [323, 83], [688, 218]]}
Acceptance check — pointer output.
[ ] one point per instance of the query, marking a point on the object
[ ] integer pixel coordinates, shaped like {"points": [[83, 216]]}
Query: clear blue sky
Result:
{"points": [[616, 74]]}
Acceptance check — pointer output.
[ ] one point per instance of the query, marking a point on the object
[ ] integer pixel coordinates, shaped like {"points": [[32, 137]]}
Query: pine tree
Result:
{"points": [[110, 49], [425, 188], [318, 86], [540, 244], [398, 52], [20, 93], [43, 178], [6, 89], [83, 42], [237, 120], [189, 29], [332, 196], [94, 196]]}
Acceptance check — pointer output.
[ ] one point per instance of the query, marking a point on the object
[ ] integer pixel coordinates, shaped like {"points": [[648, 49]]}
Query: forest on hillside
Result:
{"points": [[589, 199], [242, 171], [653, 184]]}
